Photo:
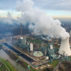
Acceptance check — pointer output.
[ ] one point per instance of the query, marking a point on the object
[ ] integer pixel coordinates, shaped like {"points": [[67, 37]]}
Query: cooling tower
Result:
{"points": [[65, 47]]}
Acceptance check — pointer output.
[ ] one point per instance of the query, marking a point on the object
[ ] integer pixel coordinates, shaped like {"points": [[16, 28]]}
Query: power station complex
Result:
{"points": [[40, 52]]}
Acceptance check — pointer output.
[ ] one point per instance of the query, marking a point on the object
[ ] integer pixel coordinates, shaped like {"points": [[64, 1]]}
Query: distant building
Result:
{"points": [[70, 33]]}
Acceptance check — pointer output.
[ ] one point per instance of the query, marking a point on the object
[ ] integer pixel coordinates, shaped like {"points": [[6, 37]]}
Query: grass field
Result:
{"points": [[6, 66], [54, 63]]}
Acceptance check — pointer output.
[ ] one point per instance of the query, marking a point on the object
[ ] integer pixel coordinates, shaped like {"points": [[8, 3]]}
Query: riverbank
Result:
{"points": [[4, 55]]}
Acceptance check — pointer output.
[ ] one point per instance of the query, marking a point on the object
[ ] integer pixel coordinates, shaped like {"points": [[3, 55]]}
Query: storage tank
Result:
{"points": [[31, 47], [37, 54]]}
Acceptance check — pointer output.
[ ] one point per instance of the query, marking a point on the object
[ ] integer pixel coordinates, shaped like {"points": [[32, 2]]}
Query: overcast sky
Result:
{"points": [[52, 5], [44, 4]]}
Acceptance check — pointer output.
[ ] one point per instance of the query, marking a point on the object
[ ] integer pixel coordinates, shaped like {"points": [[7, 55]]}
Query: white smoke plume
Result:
{"points": [[40, 23]]}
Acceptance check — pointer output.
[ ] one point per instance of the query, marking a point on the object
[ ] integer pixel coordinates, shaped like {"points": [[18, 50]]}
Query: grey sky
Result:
{"points": [[44, 4], [54, 4]]}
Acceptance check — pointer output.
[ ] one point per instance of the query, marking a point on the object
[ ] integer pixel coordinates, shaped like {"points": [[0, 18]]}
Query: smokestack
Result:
{"points": [[21, 29], [65, 47]]}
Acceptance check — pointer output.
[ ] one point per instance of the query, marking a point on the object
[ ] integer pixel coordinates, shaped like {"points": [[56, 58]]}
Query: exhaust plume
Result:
{"points": [[41, 24]]}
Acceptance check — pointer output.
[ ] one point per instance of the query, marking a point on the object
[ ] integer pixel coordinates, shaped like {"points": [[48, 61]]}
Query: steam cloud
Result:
{"points": [[41, 24]]}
